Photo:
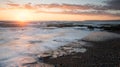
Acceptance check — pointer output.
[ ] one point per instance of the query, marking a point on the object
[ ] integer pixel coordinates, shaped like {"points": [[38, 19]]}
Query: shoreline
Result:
{"points": [[98, 53], [98, 48], [101, 53]]}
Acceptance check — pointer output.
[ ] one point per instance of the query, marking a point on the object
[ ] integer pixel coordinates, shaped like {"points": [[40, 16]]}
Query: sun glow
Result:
{"points": [[23, 15]]}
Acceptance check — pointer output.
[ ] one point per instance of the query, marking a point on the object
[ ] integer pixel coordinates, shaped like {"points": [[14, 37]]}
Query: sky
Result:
{"points": [[59, 10]]}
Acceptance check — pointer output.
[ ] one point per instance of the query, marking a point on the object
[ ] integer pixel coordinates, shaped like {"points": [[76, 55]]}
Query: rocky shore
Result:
{"points": [[98, 49]]}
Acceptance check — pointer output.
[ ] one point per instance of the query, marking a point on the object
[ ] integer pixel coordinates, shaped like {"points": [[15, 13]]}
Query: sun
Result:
{"points": [[23, 15]]}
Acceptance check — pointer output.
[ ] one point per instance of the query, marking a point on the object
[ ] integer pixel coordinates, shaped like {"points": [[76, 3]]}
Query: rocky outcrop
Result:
{"points": [[72, 48]]}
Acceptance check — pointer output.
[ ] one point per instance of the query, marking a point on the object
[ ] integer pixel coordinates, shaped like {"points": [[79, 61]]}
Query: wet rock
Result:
{"points": [[54, 56], [62, 53], [41, 65], [28, 60], [100, 36], [33, 42], [82, 50], [45, 54], [59, 40], [67, 48], [55, 52]]}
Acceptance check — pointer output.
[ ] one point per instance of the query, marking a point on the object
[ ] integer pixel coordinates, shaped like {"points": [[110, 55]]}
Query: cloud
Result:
{"points": [[92, 13], [60, 6], [28, 6], [70, 8], [9, 1], [113, 4], [75, 9], [13, 5], [24, 6]]}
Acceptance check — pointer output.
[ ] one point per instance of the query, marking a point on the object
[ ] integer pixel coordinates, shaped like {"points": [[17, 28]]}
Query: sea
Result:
{"points": [[36, 37]]}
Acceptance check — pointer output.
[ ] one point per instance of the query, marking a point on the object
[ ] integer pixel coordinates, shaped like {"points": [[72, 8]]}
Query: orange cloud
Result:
{"points": [[60, 11], [65, 9], [28, 6], [13, 5]]}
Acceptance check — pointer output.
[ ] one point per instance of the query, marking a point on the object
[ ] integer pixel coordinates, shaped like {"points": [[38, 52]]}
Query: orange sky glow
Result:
{"points": [[78, 11], [30, 15]]}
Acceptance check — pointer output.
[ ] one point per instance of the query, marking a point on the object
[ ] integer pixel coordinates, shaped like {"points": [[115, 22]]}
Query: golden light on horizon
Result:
{"points": [[23, 15]]}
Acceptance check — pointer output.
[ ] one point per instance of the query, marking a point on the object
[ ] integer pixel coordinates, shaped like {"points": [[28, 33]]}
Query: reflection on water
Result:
{"points": [[18, 44]]}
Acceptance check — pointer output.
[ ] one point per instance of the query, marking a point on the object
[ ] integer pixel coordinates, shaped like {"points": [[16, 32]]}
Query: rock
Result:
{"points": [[26, 60], [62, 53], [54, 56], [45, 54], [41, 65], [55, 52], [71, 51], [36, 41], [67, 48], [82, 50], [100, 36]]}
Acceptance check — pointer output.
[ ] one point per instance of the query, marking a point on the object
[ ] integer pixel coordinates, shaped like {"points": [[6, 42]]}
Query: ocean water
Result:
{"points": [[36, 38]]}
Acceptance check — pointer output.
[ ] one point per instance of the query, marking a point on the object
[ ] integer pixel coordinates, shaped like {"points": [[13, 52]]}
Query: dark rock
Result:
{"points": [[33, 42]]}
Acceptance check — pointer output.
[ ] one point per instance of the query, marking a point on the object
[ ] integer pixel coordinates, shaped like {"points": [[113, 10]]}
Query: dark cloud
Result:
{"points": [[65, 6], [100, 12], [78, 9], [92, 13], [113, 4]]}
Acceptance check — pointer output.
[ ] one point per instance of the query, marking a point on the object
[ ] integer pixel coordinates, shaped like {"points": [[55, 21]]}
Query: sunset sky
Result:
{"points": [[63, 10]]}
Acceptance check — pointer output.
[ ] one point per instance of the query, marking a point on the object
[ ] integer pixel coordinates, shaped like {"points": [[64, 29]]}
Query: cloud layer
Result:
{"points": [[111, 8], [113, 4]]}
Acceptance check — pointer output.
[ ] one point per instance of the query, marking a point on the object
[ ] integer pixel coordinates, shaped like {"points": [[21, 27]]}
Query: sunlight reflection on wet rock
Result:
{"points": [[68, 49]]}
